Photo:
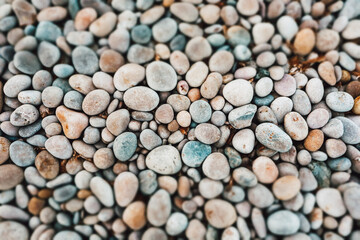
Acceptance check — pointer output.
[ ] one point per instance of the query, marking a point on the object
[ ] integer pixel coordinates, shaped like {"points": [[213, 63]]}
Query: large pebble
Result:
{"points": [[159, 208], [125, 188], [286, 188], [244, 141], [351, 133], [198, 48], [102, 190], [47, 165], [141, 98], [194, 153], [85, 60], [340, 101], [207, 133], [265, 169], [283, 223], [352, 201], [331, 202], [187, 12], [200, 111], [273, 137], [124, 146], [296, 126], [73, 123], [22, 154], [10, 176], [26, 62], [12, 230], [128, 75], [164, 160], [59, 146], [238, 92], [241, 117], [134, 215], [95, 102], [220, 213], [216, 166], [24, 115], [161, 76], [287, 27]]}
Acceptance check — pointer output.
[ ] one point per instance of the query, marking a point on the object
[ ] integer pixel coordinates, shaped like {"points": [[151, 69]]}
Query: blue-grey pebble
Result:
{"points": [[124, 146], [37, 140], [47, 31], [64, 193], [67, 235], [194, 153], [321, 172], [80, 38], [283, 223], [73, 100], [7, 23], [340, 101], [216, 39], [241, 117], [7, 52], [33, 177], [63, 70], [63, 84], [7, 196], [346, 61], [242, 53], [85, 60], [238, 36], [27, 62], [234, 194], [30, 130], [30, 30], [144, 4], [264, 101], [141, 34], [148, 182], [164, 30], [140, 54], [351, 131], [41, 80], [64, 219], [339, 164], [233, 156], [178, 43], [22, 153], [48, 53], [271, 136], [200, 111]]}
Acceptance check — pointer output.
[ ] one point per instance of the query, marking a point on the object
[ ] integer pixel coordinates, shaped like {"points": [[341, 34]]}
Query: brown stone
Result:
{"points": [[356, 108], [134, 215], [353, 88], [304, 41], [4, 149], [84, 18], [35, 205], [73, 123], [47, 165], [327, 72], [84, 193], [314, 140], [25, 12], [10, 176], [111, 61], [45, 193]]}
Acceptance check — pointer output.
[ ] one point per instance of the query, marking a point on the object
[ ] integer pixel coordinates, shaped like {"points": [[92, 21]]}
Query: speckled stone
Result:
{"points": [[194, 153], [241, 117], [141, 98], [273, 137], [124, 146], [220, 213]]}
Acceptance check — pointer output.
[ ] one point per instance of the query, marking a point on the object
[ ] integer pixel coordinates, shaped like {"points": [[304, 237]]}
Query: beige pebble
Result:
{"points": [[265, 170], [220, 213], [126, 185], [304, 41], [73, 123], [134, 215], [84, 18], [327, 72], [102, 26], [287, 187]]}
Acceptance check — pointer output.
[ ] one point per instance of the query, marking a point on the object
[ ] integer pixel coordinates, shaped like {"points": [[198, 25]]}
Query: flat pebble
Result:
{"points": [[330, 201], [215, 210], [164, 160], [273, 137], [141, 98], [160, 76], [283, 223]]}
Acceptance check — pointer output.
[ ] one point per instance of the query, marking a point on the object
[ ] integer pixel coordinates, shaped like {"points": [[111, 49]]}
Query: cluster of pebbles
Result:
{"points": [[194, 119]]}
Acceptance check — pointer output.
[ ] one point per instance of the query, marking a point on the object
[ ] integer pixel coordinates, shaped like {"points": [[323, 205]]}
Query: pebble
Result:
{"points": [[73, 123], [200, 111], [194, 153], [13, 230], [22, 154], [286, 86], [273, 137], [176, 224], [67, 234], [95, 102], [286, 188], [47, 165], [207, 133], [283, 223], [160, 76], [221, 62], [265, 170], [247, 7], [125, 188], [164, 160], [102, 190], [220, 213], [128, 75], [124, 146], [134, 215], [26, 62], [304, 41], [287, 27], [11, 175], [237, 88], [59, 146], [331, 202], [296, 126], [244, 141], [216, 166], [351, 199], [198, 48], [64, 193], [85, 60], [327, 40], [141, 98], [184, 11]]}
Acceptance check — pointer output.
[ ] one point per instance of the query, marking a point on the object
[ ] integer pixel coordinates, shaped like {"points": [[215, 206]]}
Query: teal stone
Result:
{"points": [[339, 164], [30, 130], [224, 48], [124, 146], [233, 156], [144, 4], [22, 154], [240, 37], [73, 7], [141, 34], [216, 39], [47, 31], [321, 172], [7, 53], [85, 60], [30, 30], [148, 182], [63, 84], [262, 72], [63, 70], [283, 223], [234, 194], [73, 100], [242, 53], [64, 219], [241, 117], [211, 233], [194, 153], [26, 62], [263, 101], [7, 23], [178, 43], [64, 193]]}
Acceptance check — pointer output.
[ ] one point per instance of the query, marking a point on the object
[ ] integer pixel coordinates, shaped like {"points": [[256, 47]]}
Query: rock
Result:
{"points": [[200, 111], [350, 32], [134, 215], [47, 165], [197, 48], [241, 117], [194, 153], [11, 175], [238, 92], [124, 146], [111, 61], [25, 12], [73, 123], [184, 11], [339, 101], [247, 7], [327, 72], [84, 18], [59, 146], [48, 54], [67, 234], [244, 177], [271, 136], [334, 128], [331, 202], [286, 188], [102, 190], [164, 30], [265, 59], [244, 141], [102, 26], [318, 118], [327, 40], [4, 149], [81, 83], [295, 125], [125, 188], [85, 60], [26, 62], [118, 121], [207, 133], [22, 154], [351, 131], [95, 102], [262, 32], [161, 76], [304, 41], [176, 224], [103, 158], [265, 170], [216, 166], [64, 193], [13, 230], [287, 27], [221, 62], [16, 85], [314, 140], [140, 54], [219, 213], [128, 75], [351, 200], [164, 160], [159, 208], [283, 223], [286, 86], [141, 98]]}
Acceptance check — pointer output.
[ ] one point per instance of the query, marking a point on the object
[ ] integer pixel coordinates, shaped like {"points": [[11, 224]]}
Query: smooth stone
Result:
{"points": [[350, 32], [103, 25], [194, 153], [103, 158], [4, 149], [200, 111], [351, 133], [48, 54], [283, 223], [141, 98], [24, 115], [47, 31], [73, 100], [271, 136], [16, 84], [234, 157], [26, 62], [148, 182], [264, 86], [10, 176], [347, 62], [85, 60], [287, 27], [327, 40], [286, 86], [334, 128], [238, 92], [187, 12], [164, 160], [339, 164], [9, 212], [134, 215], [207, 133], [141, 34], [286, 188], [296, 126], [331, 202], [244, 177], [216, 166], [176, 224], [244, 141], [209, 188], [164, 30], [317, 118], [321, 173], [126, 186], [265, 170], [13, 230], [260, 196], [47, 165], [84, 17], [247, 7], [81, 83], [241, 117], [315, 90], [219, 213], [73, 123], [159, 208], [95, 102], [119, 40], [265, 59], [351, 200], [307, 179], [22, 154], [149, 139], [128, 75], [64, 193], [242, 53], [161, 76], [304, 41], [124, 146], [327, 72], [67, 234], [198, 48], [80, 38], [140, 54], [59, 146], [339, 101], [262, 32], [118, 121], [102, 190], [221, 62]]}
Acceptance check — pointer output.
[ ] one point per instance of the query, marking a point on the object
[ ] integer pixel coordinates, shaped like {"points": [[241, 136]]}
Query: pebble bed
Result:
{"points": [[192, 119]]}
